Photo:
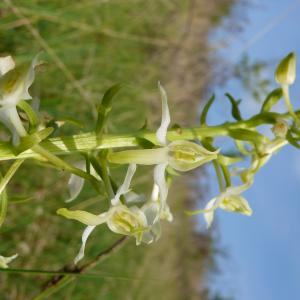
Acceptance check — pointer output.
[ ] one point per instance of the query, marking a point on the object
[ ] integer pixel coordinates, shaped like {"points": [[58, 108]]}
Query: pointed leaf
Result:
{"points": [[271, 100], [235, 111], [31, 140], [294, 142], [30, 113], [206, 109], [144, 143], [105, 107]]}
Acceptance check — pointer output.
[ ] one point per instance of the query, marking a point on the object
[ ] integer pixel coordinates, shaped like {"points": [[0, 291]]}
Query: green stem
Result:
{"points": [[60, 163], [87, 142], [286, 96], [16, 121], [219, 175]]}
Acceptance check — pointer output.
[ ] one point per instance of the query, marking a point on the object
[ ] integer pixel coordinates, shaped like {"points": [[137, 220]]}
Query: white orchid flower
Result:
{"points": [[4, 261], [14, 85], [180, 155], [131, 221], [229, 200]]}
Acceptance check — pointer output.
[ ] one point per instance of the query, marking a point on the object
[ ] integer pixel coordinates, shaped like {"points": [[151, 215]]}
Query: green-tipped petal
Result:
{"points": [[83, 216]]}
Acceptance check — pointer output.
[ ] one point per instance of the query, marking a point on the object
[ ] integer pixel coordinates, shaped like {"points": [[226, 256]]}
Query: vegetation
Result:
{"points": [[87, 47]]}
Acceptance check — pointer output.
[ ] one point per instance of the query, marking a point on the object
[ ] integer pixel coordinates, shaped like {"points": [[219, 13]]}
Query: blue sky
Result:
{"points": [[264, 250]]}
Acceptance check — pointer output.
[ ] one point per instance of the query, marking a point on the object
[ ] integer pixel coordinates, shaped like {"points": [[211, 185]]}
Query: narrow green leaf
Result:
{"points": [[206, 109], [105, 107], [33, 139], [271, 100], [30, 113], [235, 111]]}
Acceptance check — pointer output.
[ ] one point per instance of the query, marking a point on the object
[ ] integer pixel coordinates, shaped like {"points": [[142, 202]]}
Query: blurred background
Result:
{"points": [[194, 47]]}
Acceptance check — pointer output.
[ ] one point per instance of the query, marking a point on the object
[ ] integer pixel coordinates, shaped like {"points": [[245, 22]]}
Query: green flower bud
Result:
{"points": [[286, 71]]}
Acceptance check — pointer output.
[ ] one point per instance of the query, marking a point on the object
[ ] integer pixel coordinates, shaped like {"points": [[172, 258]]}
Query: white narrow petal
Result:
{"points": [[161, 133], [29, 78], [7, 123], [155, 192], [6, 64], [160, 180], [209, 215], [76, 183], [124, 188], [86, 233]]}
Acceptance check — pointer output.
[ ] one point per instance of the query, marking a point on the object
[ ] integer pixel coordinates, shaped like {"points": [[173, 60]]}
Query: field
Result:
{"points": [[87, 46]]}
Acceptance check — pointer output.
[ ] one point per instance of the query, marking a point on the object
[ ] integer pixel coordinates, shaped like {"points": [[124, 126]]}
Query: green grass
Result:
{"points": [[88, 46]]}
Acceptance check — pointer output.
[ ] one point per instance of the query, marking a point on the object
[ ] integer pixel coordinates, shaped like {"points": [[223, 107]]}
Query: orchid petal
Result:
{"points": [[14, 85], [160, 180], [6, 64], [4, 261], [4, 118], [155, 192], [83, 216], [76, 183], [209, 211], [161, 133], [29, 78], [124, 188], [86, 233]]}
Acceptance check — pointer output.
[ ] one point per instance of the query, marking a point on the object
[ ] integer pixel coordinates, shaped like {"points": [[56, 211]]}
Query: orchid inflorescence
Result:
{"points": [[170, 151]]}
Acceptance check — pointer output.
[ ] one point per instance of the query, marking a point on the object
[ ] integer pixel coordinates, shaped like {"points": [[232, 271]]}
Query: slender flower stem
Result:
{"points": [[286, 96], [219, 175], [89, 141]]}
